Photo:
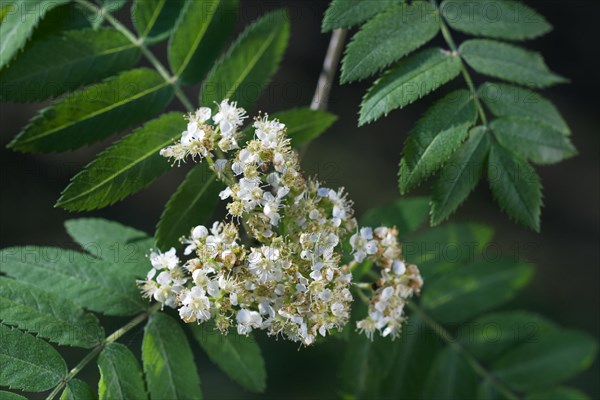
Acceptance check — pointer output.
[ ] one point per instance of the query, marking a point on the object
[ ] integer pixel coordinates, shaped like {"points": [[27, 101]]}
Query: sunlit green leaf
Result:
{"points": [[95, 112], [347, 13], [394, 33], [201, 31], [28, 363], [408, 81], [252, 59], [48, 315], [120, 374], [435, 137], [126, 167]]}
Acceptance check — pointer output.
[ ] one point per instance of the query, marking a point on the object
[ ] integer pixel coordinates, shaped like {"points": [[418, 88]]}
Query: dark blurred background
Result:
{"points": [[365, 161]]}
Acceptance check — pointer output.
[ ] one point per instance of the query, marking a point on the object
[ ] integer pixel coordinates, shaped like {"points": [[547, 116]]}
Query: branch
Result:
{"points": [[92, 354], [330, 64]]}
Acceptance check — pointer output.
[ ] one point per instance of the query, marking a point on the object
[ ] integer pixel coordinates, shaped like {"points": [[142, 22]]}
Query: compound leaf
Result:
{"points": [[347, 13]]}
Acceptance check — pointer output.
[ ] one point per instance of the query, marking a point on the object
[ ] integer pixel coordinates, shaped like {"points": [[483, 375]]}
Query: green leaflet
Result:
{"points": [[444, 248], [238, 356], [535, 142], [502, 19], [200, 33], [347, 13], [435, 137], [304, 125], [407, 215], [126, 167], [28, 363], [168, 360], [18, 25], [120, 374], [411, 79], [394, 33], [59, 63], [91, 283], [468, 291], [559, 393], [114, 243], [460, 175], [450, 378], [494, 334], [192, 204], [95, 112], [77, 390], [508, 62], [252, 59], [11, 396], [154, 19], [512, 101], [555, 357], [51, 317], [515, 186]]}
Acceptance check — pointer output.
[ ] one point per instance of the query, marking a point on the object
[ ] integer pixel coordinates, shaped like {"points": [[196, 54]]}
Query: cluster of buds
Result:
{"points": [[288, 277]]}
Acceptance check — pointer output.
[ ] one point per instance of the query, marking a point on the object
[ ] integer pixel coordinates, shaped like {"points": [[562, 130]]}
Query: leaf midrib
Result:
{"points": [[113, 176], [94, 114], [250, 66], [197, 39]]}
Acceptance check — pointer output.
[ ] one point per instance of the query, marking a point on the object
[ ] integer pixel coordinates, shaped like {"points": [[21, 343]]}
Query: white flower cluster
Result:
{"points": [[288, 278]]}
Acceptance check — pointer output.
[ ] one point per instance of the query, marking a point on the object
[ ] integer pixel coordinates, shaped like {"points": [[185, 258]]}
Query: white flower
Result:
{"points": [[265, 263], [363, 244], [166, 260], [248, 320], [229, 117], [198, 234], [195, 305], [193, 133], [398, 267], [203, 114]]}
